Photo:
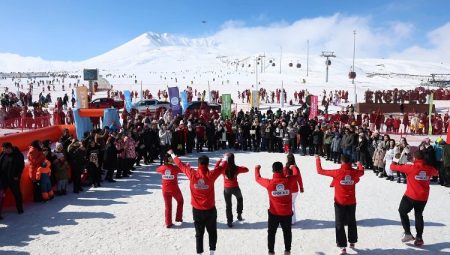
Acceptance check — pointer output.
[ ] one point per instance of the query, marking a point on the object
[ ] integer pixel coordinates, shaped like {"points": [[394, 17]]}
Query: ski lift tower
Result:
{"points": [[328, 55]]}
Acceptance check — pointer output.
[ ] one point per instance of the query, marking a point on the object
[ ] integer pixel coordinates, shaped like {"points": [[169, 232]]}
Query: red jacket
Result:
{"points": [[418, 179], [344, 180], [169, 177], [233, 183], [202, 183], [298, 183], [279, 189]]}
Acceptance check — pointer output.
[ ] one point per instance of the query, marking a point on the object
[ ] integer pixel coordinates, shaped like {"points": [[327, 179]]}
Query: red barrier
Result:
{"points": [[23, 141], [91, 112]]}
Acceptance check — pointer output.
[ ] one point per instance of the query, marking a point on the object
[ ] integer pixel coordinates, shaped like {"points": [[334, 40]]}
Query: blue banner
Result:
{"points": [[128, 103], [174, 96], [184, 100]]}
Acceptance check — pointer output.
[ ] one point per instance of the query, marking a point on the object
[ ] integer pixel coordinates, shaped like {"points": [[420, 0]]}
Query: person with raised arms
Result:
{"points": [[298, 185], [279, 189], [203, 197], [231, 188], [418, 177], [344, 180], [169, 174]]}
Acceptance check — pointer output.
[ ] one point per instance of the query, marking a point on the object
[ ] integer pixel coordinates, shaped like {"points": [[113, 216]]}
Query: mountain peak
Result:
{"points": [[159, 40]]}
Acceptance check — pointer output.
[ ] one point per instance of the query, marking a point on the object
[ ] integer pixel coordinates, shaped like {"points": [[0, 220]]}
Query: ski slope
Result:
{"points": [[161, 60]]}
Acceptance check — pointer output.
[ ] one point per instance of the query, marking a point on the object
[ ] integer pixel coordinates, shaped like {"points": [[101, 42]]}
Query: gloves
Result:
{"points": [[257, 167], [302, 190]]}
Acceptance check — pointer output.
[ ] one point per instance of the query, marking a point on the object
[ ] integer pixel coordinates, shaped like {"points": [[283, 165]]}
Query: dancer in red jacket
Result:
{"points": [[203, 198], [344, 180], [416, 196], [279, 189], [231, 187], [288, 171], [171, 190]]}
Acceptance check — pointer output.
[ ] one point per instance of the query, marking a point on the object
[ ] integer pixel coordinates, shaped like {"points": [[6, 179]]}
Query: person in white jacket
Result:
{"points": [[388, 158], [165, 138]]}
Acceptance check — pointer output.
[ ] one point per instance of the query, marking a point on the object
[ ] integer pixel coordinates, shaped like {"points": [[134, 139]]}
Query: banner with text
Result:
{"points": [[314, 110], [174, 96], [226, 105]]}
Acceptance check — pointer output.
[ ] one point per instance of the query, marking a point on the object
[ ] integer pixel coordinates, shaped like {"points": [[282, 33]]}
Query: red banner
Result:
{"points": [[314, 110]]}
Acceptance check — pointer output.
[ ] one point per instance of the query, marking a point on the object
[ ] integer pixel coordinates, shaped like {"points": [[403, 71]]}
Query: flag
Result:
{"points": [[174, 96], [184, 100], [314, 108], [430, 111], [127, 96], [254, 99], [226, 106]]}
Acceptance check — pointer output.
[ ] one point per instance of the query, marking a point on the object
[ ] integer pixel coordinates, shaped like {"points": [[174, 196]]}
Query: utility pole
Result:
{"points": [[307, 58], [328, 55], [142, 94], [353, 66], [281, 54], [256, 72]]}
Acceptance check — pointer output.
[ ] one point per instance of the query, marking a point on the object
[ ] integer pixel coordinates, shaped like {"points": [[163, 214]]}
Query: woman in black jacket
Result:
{"points": [[110, 159]]}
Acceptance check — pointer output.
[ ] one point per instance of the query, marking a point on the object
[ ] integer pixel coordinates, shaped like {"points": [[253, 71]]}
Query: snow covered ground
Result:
{"points": [[127, 217]]}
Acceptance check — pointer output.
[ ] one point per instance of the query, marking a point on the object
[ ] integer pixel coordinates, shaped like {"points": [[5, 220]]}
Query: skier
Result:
{"points": [[416, 196], [344, 180], [280, 200], [203, 198], [231, 187], [171, 190], [290, 164]]}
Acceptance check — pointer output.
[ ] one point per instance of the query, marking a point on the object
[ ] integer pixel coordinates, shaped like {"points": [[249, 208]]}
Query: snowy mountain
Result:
{"points": [[164, 59]]}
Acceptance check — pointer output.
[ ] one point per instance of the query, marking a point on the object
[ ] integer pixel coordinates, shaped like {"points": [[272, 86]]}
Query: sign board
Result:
{"points": [[90, 74]]}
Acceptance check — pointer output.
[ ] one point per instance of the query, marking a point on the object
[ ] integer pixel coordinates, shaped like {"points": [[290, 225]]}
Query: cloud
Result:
{"points": [[334, 33], [439, 41]]}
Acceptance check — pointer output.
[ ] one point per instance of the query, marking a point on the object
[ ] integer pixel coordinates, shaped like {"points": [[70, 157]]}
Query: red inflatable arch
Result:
{"points": [[23, 141]]}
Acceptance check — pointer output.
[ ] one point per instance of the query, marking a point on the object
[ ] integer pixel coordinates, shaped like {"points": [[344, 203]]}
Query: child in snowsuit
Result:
{"points": [[43, 174]]}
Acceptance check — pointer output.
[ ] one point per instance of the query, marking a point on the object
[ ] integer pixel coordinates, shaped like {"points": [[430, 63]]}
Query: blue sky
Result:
{"points": [[80, 29]]}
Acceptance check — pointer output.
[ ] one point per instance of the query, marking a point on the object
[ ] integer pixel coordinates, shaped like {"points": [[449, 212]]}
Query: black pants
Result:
{"points": [[94, 174], [162, 152], [76, 178], [109, 174], [285, 222], [327, 151], [406, 205], [227, 193], [205, 219], [199, 144], [336, 156], [345, 214], [37, 196], [14, 186], [121, 166]]}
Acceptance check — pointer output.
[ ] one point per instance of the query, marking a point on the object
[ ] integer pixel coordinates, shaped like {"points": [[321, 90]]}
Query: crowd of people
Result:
{"points": [[344, 138]]}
